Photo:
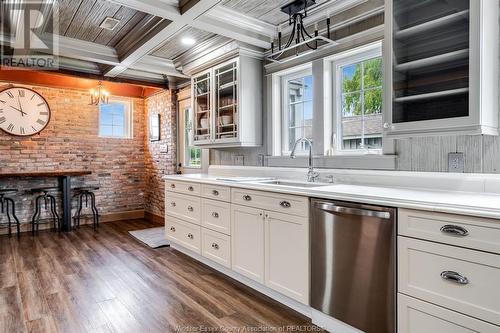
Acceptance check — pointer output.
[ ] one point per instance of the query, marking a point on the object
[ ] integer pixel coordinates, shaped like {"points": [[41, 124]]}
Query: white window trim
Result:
{"points": [[365, 52], [278, 91], [189, 138], [129, 118]]}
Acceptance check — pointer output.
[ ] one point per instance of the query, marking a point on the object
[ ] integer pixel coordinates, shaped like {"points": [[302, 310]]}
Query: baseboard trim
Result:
{"points": [[156, 219], [110, 217]]}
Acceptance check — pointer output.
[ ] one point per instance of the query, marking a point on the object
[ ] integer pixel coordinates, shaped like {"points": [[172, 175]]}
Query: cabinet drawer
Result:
{"points": [[415, 316], [185, 207], [216, 215], [216, 192], [216, 247], [472, 232], [183, 233], [288, 204], [183, 187], [463, 280]]}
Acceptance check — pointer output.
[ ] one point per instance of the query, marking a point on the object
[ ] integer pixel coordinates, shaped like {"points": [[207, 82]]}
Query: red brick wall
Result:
{"points": [[160, 156], [71, 142]]}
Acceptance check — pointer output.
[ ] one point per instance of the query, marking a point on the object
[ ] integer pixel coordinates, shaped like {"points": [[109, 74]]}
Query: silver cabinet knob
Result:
{"points": [[215, 214], [190, 208], [172, 229], [285, 204], [190, 236], [172, 185], [190, 188], [215, 192], [454, 277], [215, 246], [173, 204], [246, 197], [454, 230]]}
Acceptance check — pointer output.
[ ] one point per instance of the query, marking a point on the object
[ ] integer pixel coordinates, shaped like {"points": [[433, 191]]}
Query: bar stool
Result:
{"points": [[86, 193], [7, 203], [49, 202]]}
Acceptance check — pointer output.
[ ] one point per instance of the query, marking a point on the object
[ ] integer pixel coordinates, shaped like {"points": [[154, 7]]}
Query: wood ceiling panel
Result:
{"points": [[174, 46], [101, 9], [67, 10], [128, 20], [79, 18]]}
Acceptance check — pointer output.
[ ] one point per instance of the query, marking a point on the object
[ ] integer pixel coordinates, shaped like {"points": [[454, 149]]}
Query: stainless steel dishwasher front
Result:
{"points": [[353, 264]]}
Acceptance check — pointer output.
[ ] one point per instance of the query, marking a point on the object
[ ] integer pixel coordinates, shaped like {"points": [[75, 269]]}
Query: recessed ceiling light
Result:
{"points": [[188, 41], [109, 23]]}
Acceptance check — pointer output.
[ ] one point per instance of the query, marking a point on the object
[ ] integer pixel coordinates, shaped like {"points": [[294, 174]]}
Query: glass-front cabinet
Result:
{"points": [[441, 67], [228, 109]]}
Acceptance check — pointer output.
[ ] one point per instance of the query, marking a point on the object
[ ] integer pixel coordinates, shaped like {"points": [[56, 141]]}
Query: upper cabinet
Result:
{"points": [[441, 67], [227, 102]]}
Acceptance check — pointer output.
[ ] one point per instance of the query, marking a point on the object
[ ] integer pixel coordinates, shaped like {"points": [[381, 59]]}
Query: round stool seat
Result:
{"points": [[44, 189], [86, 188], [8, 190]]}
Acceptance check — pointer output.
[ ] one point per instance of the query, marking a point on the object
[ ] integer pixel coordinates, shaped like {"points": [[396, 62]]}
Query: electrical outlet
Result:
{"points": [[456, 162], [238, 160]]}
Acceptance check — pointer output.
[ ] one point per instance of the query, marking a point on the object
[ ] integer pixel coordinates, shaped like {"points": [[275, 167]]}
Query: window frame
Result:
{"points": [[128, 121], [353, 56], [189, 135]]}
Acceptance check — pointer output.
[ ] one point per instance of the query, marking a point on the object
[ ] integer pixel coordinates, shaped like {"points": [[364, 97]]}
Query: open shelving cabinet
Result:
{"points": [[228, 109], [441, 67]]}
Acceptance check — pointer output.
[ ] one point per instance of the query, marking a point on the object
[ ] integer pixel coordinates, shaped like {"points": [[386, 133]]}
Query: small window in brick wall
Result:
{"points": [[115, 119]]}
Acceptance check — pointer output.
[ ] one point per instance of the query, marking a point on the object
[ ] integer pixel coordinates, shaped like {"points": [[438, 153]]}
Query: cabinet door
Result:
{"points": [[287, 255], [202, 108], [226, 102], [247, 241]]}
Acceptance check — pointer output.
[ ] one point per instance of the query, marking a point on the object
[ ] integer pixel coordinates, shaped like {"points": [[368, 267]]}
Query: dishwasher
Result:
{"points": [[353, 264]]}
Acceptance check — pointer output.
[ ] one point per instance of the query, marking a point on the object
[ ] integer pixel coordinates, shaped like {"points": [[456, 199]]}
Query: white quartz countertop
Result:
{"points": [[466, 203]]}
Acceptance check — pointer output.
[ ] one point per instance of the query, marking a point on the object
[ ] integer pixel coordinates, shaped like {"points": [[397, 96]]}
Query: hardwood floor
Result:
{"points": [[106, 281]]}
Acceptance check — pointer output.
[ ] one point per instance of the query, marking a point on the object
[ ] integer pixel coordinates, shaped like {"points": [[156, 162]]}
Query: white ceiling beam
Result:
{"points": [[195, 9], [158, 65], [163, 9]]}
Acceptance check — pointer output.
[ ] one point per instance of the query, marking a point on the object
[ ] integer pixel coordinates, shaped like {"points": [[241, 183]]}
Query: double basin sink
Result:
{"points": [[291, 183]]}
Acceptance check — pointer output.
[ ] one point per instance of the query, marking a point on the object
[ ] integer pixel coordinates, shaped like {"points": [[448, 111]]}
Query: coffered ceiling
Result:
{"points": [[154, 39]]}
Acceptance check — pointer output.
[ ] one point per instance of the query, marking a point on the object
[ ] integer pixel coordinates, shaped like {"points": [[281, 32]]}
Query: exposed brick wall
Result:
{"points": [[71, 142], [160, 156]]}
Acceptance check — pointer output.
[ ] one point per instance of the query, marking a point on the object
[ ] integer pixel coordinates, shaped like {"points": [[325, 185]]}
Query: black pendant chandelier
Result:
{"points": [[297, 11]]}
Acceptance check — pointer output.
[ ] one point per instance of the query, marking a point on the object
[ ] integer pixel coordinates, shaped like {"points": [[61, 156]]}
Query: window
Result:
{"points": [[192, 155], [358, 104], [115, 119], [297, 112]]}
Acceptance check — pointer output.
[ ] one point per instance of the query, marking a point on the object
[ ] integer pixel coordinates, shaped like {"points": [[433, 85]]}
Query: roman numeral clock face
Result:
{"points": [[23, 112]]}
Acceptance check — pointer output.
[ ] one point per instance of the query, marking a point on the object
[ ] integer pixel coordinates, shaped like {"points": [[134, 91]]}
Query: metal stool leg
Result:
{"points": [[8, 216], [13, 208], [79, 212], [53, 210], [95, 212], [34, 220]]}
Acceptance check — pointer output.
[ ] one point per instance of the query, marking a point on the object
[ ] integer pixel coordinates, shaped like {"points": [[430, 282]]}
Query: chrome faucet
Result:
{"points": [[311, 174]]}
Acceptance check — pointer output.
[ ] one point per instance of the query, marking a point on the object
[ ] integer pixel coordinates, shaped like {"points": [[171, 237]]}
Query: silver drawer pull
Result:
{"points": [[173, 204], [190, 236], [172, 229], [285, 204], [454, 230], [215, 214], [215, 246], [190, 208], [191, 188], [246, 197], [172, 185], [215, 192], [454, 277]]}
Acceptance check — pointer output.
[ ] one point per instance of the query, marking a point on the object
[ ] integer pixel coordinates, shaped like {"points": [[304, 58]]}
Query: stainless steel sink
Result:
{"points": [[292, 184]]}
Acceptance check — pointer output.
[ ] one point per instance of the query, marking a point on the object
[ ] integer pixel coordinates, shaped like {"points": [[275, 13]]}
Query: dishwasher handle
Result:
{"points": [[332, 208]]}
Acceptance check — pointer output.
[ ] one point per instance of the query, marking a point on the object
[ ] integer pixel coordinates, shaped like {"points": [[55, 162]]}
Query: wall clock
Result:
{"points": [[23, 111]]}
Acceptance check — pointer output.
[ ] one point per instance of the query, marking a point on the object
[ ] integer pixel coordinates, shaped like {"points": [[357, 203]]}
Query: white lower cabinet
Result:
{"points": [[416, 316], [247, 241], [287, 255], [216, 246], [183, 233]]}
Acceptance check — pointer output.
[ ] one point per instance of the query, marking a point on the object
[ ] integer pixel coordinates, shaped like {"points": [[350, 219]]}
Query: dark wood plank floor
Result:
{"points": [[105, 281]]}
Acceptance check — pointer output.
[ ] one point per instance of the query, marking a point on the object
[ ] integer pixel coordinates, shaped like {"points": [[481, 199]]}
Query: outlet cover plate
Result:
{"points": [[238, 160], [456, 162]]}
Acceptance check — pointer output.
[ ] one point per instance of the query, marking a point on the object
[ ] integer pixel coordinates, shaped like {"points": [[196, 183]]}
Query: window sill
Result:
{"points": [[363, 162]]}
